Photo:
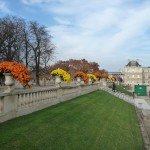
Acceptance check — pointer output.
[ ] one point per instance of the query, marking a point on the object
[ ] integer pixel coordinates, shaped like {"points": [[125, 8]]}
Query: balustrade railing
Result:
{"points": [[22, 102]]}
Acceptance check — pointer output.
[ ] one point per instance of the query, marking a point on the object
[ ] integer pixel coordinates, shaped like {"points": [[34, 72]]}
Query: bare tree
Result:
{"points": [[25, 42], [11, 29], [25, 46], [47, 54], [41, 46]]}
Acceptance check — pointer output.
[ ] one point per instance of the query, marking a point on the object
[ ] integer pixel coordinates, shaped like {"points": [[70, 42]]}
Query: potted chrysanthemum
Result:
{"points": [[14, 70], [92, 78], [60, 74], [81, 76], [98, 75]]}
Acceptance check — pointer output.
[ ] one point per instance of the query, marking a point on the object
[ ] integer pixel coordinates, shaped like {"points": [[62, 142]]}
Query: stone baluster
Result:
{"points": [[1, 105], [47, 96], [24, 100], [44, 96], [37, 97], [27, 101], [34, 98], [40, 96], [53, 95], [50, 95], [19, 100], [31, 99]]}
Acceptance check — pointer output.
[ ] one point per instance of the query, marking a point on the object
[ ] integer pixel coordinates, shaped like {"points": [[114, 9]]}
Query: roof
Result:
{"points": [[114, 73], [133, 63]]}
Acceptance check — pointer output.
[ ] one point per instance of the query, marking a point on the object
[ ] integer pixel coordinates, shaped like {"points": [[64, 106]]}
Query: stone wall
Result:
{"points": [[22, 102]]}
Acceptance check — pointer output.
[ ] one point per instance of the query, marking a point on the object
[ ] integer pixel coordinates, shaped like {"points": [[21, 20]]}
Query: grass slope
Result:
{"points": [[96, 121]]}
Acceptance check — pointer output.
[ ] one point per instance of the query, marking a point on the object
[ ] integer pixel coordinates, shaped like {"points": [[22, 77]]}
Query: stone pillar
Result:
{"points": [[79, 90], [60, 94], [9, 107]]}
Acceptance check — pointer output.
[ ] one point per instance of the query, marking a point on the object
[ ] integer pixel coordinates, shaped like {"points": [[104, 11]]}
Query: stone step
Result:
{"points": [[122, 96]]}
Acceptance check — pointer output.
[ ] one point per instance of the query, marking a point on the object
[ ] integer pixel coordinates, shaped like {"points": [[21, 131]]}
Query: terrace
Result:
{"points": [[97, 120]]}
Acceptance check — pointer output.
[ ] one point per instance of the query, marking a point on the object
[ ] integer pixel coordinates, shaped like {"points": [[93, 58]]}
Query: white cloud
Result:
{"points": [[107, 31], [62, 21], [108, 35], [31, 2], [3, 7]]}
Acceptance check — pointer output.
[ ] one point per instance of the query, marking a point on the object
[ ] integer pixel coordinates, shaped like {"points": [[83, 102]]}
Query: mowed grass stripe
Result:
{"points": [[91, 122]]}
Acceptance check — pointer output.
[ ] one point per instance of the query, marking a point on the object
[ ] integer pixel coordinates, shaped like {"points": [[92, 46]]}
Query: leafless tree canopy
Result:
{"points": [[25, 42]]}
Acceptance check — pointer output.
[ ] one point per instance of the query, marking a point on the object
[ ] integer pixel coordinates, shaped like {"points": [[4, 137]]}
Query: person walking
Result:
{"points": [[149, 93], [113, 87]]}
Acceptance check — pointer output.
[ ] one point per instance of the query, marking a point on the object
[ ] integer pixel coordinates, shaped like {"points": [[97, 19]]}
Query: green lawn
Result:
{"points": [[96, 121]]}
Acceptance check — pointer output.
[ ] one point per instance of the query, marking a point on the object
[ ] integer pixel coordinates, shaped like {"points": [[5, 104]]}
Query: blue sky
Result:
{"points": [[107, 32]]}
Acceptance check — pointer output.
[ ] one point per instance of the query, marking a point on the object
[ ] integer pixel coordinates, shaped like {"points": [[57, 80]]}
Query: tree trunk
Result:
{"points": [[37, 71]]}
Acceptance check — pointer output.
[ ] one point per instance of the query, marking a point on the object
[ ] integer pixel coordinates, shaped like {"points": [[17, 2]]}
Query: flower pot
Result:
{"points": [[78, 80], [90, 81], [57, 81], [9, 82]]}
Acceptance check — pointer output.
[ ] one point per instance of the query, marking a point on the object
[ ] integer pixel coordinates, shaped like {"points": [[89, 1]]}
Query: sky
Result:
{"points": [[109, 32]]}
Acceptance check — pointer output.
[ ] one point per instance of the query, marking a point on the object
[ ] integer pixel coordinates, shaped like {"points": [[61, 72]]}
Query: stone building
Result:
{"points": [[134, 74]]}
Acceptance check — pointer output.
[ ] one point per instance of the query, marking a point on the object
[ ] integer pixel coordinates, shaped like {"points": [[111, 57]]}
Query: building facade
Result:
{"points": [[134, 74]]}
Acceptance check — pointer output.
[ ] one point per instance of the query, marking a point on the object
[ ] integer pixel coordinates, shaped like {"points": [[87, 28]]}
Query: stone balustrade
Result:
{"points": [[22, 102]]}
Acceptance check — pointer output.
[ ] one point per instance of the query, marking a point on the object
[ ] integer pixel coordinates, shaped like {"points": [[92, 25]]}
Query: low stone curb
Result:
{"points": [[144, 132]]}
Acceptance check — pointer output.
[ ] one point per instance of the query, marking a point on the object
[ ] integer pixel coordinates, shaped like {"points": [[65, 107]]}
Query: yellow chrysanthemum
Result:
{"points": [[63, 74], [92, 76]]}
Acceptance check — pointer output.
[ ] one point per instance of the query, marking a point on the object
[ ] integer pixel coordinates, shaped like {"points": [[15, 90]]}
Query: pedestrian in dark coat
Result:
{"points": [[114, 87]]}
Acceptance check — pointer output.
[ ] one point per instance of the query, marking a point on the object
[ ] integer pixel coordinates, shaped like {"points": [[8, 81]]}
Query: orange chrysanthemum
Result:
{"points": [[18, 71], [84, 76]]}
